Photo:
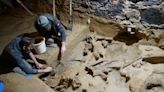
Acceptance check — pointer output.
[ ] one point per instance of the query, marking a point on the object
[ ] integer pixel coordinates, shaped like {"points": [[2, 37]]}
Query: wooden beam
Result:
{"points": [[24, 7], [54, 11], [70, 20]]}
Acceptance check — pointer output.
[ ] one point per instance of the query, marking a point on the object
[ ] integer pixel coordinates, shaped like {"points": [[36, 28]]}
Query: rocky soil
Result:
{"points": [[136, 13], [102, 64]]}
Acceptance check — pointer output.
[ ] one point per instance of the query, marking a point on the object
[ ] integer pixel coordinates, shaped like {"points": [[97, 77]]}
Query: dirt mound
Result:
{"points": [[17, 83]]}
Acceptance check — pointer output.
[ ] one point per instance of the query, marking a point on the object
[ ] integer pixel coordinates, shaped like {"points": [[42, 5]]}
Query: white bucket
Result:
{"points": [[40, 47]]}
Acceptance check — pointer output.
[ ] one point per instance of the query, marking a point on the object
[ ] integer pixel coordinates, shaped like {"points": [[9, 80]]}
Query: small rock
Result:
{"points": [[133, 14], [104, 44], [125, 22], [103, 8]]}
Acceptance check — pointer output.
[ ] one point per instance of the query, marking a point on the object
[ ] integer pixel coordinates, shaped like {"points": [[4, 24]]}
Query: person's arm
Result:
{"points": [[62, 33], [41, 68], [38, 65], [63, 43], [61, 30], [58, 26], [46, 70], [63, 47], [27, 49]]}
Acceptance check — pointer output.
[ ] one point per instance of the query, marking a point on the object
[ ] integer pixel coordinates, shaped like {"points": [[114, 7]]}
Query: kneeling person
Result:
{"points": [[16, 53]]}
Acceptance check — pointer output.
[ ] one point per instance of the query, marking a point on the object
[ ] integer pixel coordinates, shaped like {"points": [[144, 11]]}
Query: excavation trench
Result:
{"points": [[99, 60], [101, 56]]}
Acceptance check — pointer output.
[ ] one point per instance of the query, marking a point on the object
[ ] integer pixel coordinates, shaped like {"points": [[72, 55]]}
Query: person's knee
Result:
{"points": [[18, 70], [30, 70], [26, 67]]}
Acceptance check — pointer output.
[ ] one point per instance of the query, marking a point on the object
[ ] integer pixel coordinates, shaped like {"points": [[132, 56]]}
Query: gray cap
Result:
{"points": [[44, 22]]}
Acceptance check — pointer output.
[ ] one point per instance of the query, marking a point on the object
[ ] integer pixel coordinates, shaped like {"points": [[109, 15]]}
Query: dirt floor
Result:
{"points": [[116, 62]]}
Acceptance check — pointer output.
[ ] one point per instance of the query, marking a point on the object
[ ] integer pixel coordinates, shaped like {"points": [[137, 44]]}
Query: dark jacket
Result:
{"points": [[14, 56], [56, 28]]}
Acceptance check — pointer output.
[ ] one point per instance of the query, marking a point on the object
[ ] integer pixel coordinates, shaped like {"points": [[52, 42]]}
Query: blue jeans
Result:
{"points": [[24, 68]]}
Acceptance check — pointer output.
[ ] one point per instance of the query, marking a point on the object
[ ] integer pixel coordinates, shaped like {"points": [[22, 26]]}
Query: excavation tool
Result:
{"points": [[24, 7], [54, 12], [89, 12], [70, 20]]}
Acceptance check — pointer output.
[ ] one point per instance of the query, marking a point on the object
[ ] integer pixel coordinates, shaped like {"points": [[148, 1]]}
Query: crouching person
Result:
{"points": [[17, 52], [49, 26]]}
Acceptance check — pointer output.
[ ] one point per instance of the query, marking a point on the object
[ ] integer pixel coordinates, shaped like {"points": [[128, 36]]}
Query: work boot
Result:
{"points": [[50, 43]]}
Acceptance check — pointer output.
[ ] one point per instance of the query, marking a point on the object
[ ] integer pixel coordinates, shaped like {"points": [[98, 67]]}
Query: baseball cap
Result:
{"points": [[44, 22]]}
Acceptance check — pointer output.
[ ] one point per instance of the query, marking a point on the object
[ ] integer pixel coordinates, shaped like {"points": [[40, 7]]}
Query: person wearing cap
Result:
{"points": [[16, 53], [50, 27]]}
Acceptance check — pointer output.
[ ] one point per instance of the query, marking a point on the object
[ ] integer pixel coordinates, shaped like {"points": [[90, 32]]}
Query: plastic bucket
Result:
{"points": [[1, 86], [39, 45]]}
